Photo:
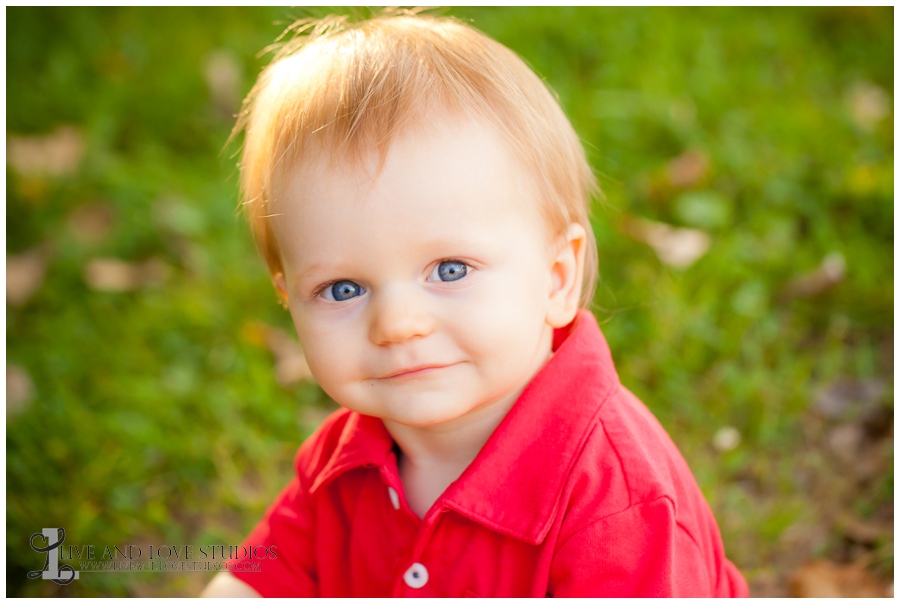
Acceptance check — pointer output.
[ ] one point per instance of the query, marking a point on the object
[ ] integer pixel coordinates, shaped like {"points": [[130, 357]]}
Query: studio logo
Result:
{"points": [[52, 569]]}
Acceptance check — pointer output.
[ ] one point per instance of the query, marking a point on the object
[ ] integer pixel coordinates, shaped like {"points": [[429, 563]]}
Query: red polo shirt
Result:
{"points": [[578, 492]]}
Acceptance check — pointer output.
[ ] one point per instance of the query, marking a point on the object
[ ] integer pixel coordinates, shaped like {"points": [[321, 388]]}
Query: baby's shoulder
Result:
{"points": [[318, 449], [628, 459]]}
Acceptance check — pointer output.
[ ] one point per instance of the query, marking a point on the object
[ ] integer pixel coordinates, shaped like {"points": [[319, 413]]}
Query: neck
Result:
{"points": [[450, 444]]}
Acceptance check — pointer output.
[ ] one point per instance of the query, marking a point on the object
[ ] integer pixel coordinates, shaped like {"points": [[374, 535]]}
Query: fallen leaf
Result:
{"points": [[826, 579], [114, 275], [24, 275], [91, 223], [864, 458], [56, 154], [726, 439], [845, 441], [872, 462], [834, 401], [868, 104], [109, 274], [222, 72], [19, 390], [676, 247], [688, 169], [829, 273]]}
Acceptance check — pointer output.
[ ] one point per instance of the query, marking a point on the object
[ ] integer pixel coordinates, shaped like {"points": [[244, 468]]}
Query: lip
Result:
{"points": [[416, 371]]}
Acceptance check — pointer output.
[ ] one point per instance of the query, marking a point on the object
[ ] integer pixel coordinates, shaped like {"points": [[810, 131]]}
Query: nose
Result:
{"points": [[398, 315]]}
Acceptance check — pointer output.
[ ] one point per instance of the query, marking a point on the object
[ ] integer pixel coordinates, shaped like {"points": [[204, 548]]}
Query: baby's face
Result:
{"points": [[420, 296]]}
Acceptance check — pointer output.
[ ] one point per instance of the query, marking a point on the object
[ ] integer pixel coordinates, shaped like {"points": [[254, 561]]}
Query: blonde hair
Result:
{"points": [[350, 88]]}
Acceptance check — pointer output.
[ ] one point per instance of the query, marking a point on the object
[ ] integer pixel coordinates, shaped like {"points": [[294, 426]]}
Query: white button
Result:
{"points": [[416, 576], [395, 498]]}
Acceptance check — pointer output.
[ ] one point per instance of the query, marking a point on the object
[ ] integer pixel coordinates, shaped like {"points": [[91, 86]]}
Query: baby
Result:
{"points": [[422, 203]]}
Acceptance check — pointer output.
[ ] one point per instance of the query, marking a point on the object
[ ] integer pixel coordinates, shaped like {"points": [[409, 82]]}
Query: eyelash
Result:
{"points": [[317, 293]]}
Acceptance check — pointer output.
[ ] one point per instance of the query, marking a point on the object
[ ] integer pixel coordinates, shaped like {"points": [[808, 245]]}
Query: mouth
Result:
{"points": [[418, 370]]}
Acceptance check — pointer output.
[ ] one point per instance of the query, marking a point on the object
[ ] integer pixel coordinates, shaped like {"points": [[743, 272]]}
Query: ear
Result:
{"points": [[566, 275], [280, 284]]}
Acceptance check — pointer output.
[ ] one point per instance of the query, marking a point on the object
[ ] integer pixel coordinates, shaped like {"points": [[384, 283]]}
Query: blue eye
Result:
{"points": [[342, 290], [451, 270]]}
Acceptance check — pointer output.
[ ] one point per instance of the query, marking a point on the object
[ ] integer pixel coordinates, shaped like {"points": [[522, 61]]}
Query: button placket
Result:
{"points": [[416, 576]]}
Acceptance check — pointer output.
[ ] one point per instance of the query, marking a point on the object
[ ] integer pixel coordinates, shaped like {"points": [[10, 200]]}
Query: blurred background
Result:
{"points": [[155, 390]]}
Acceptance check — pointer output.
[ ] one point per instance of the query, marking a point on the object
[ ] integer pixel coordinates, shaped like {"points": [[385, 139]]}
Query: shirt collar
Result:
{"points": [[364, 442], [514, 484]]}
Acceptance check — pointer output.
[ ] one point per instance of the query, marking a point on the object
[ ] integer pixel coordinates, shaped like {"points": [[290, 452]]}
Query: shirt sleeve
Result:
{"points": [[287, 533], [639, 552]]}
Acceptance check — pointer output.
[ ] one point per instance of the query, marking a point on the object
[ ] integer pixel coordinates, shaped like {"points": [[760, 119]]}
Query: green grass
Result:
{"points": [[156, 417]]}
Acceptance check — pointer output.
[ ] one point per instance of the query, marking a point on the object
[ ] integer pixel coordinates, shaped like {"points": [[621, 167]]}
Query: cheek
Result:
{"points": [[328, 352], [515, 295], [321, 363], [507, 317]]}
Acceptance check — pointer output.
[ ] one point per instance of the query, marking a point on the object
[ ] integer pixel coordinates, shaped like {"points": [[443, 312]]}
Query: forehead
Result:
{"points": [[452, 178]]}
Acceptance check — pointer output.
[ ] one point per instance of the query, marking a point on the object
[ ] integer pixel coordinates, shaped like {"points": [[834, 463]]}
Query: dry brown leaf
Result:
{"points": [[678, 247], [19, 390], [868, 104], [826, 579], [688, 169], [864, 458], [845, 441], [55, 154], [91, 223], [829, 273], [24, 275], [110, 274], [844, 393], [222, 72], [114, 275], [871, 463]]}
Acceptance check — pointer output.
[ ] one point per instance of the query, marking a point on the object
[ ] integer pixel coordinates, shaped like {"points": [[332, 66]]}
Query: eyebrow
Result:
{"points": [[438, 247], [321, 271], [312, 268]]}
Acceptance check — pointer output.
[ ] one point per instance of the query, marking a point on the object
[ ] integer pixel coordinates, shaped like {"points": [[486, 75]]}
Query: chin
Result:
{"points": [[424, 413]]}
